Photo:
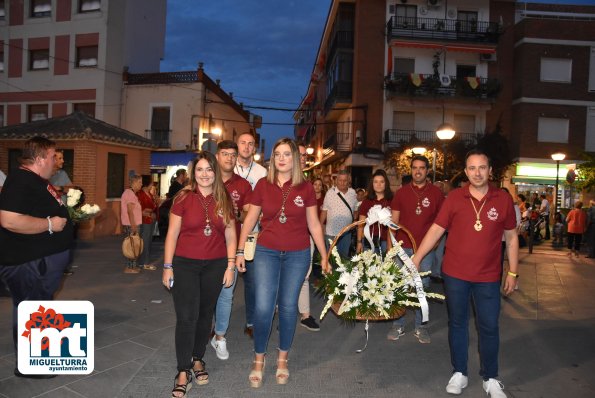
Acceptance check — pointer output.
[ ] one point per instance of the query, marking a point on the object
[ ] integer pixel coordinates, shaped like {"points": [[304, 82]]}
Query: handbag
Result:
{"points": [[250, 246], [132, 246]]}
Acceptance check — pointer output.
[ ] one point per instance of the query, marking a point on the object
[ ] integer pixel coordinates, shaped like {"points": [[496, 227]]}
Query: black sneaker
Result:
{"points": [[310, 324]]}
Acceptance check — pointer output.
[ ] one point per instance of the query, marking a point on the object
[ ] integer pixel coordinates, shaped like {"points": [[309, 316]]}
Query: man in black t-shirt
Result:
{"points": [[35, 231]]}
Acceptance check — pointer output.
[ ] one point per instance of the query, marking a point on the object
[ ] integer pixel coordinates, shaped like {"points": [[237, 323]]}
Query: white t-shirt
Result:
{"points": [[338, 215], [252, 174]]}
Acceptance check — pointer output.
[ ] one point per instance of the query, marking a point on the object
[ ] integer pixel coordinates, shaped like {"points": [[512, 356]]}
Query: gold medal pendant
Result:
{"points": [[478, 225], [418, 210], [207, 231], [282, 218]]}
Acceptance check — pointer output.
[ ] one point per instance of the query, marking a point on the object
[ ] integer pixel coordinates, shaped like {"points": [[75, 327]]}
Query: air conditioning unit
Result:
{"points": [[434, 3], [488, 57]]}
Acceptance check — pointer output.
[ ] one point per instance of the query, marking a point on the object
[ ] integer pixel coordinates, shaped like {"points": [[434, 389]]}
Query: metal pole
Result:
{"points": [[556, 195], [444, 154]]}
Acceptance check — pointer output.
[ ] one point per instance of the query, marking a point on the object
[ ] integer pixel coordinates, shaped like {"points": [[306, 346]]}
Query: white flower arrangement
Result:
{"points": [[79, 213], [370, 287]]}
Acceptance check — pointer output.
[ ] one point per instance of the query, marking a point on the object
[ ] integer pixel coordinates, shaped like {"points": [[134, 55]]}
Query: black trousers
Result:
{"points": [[197, 284], [574, 241]]}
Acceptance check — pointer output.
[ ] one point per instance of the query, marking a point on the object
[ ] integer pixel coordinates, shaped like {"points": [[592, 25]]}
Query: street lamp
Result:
{"points": [[557, 157], [418, 150], [445, 132]]}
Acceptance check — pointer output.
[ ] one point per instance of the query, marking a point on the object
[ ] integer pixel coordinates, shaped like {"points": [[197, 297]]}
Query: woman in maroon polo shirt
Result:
{"points": [[200, 252], [379, 193], [289, 216]]}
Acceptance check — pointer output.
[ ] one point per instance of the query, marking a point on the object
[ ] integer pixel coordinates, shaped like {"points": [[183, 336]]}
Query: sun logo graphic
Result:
{"points": [[56, 337]]}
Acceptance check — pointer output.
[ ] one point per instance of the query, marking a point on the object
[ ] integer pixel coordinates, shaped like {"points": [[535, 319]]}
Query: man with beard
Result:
{"points": [[475, 216], [415, 206], [252, 172]]}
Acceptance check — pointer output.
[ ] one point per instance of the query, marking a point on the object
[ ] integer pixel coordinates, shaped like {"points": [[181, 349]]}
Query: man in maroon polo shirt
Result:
{"points": [[475, 217], [415, 206], [238, 189]]}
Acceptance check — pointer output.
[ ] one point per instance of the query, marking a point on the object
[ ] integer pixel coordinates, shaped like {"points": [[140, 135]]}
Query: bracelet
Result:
{"points": [[50, 225], [231, 268], [231, 258], [513, 274], [240, 254], [168, 266]]}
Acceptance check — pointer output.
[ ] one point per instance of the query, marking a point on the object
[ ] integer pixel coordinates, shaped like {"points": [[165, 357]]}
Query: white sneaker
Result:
{"points": [[456, 383], [494, 388], [220, 347]]}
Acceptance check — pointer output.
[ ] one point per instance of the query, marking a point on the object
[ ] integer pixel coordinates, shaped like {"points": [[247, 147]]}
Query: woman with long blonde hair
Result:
{"points": [[200, 252], [288, 206]]}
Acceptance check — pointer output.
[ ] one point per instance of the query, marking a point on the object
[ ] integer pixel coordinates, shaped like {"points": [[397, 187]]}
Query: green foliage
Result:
{"points": [[587, 172]]}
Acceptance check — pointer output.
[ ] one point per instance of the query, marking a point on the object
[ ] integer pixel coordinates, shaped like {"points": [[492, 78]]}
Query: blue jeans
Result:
{"points": [[278, 278], [438, 256], [342, 244], [486, 300], [425, 265], [223, 309], [249, 293], [146, 233]]}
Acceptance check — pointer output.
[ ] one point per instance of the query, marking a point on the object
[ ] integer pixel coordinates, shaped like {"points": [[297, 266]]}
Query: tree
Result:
{"points": [[586, 171]]}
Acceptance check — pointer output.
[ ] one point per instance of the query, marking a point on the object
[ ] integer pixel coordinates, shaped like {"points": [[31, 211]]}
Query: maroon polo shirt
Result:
{"points": [[472, 255], [294, 234], [376, 229], [192, 242], [405, 201], [239, 189]]}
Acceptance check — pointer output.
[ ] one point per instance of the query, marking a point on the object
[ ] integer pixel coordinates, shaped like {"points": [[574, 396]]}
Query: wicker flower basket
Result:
{"points": [[395, 312]]}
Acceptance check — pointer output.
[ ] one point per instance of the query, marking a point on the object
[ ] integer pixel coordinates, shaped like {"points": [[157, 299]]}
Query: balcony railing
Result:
{"points": [[429, 85], [395, 138], [442, 29], [340, 142], [343, 39], [159, 137], [340, 93]]}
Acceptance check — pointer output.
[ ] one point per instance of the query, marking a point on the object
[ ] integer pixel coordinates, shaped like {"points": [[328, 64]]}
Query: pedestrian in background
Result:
{"points": [[149, 217], [288, 206], [179, 181], [199, 258], [591, 229], [379, 194], [35, 230], [131, 216], [338, 212], [576, 221], [238, 190]]}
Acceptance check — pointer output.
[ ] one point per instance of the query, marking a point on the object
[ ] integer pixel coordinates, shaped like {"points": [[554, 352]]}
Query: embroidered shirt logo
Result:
{"points": [[235, 195], [425, 202], [298, 201], [493, 214]]}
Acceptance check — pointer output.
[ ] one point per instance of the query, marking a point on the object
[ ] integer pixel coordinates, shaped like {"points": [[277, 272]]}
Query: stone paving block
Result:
{"points": [[119, 353]]}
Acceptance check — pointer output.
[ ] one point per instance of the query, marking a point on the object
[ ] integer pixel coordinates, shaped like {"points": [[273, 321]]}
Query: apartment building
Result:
{"points": [[60, 56], [389, 73], [181, 112], [548, 105]]}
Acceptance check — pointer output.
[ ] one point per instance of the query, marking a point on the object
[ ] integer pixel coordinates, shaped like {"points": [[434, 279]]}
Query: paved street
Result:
{"points": [[547, 341]]}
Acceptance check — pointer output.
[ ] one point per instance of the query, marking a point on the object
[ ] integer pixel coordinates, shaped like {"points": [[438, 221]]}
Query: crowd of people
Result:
{"points": [[225, 200]]}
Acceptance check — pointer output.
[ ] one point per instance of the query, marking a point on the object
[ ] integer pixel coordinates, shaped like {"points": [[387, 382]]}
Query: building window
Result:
{"points": [[37, 112], [406, 16], [160, 128], [1, 61], [39, 59], [88, 108], [2, 10], [1, 115], [86, 57], [557, 70], [551, 129], [115, 174], [404, 65], [41, 8], [464, 71], [592, 70], [89, 5], [466, 21]]}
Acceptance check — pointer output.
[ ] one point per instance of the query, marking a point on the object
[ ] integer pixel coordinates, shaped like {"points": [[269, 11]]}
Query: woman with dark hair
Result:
{"points": [[319, 191], [200, 252], [379, 193], [282, 258], [149, 215]]}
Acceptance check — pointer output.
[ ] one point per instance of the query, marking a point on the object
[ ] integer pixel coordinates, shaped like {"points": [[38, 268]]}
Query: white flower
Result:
{"points": [[73, 196], [88, 209]]}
